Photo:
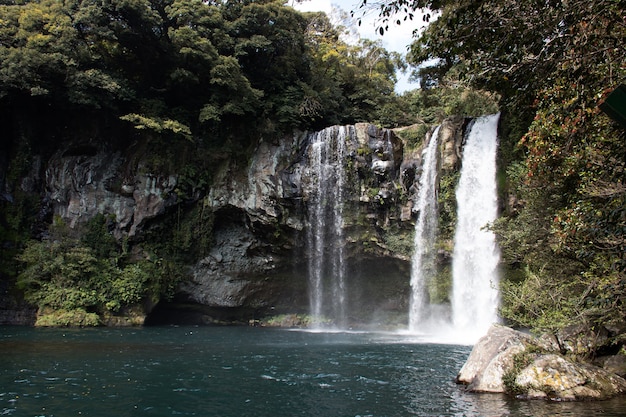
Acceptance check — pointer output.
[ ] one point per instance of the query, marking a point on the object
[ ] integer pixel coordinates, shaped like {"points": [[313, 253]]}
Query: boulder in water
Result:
{"points": [[491, 357], [513, 362]]}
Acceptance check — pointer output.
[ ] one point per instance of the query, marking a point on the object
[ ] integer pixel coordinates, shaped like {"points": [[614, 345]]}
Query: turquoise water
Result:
{"points": [[239, 371]]}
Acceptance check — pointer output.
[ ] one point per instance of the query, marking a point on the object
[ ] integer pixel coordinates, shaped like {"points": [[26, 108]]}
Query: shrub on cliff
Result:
{"points": [[73, 283]]}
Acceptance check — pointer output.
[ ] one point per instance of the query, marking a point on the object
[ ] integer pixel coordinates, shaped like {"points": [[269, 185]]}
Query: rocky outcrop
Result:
{"points": [[258, 190], [615, 364], [555, 377], [451, 138], [509, 361], [229, 275], [81, 185], [490, 359]]}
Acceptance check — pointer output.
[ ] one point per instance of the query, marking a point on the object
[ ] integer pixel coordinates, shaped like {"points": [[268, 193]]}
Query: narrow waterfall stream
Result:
{"points": [[325, 237], [475, 295], [423, 259]]}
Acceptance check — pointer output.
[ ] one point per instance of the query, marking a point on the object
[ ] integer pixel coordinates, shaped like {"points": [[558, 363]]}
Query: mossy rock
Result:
{"points": [[292, 321], [67, 318]]}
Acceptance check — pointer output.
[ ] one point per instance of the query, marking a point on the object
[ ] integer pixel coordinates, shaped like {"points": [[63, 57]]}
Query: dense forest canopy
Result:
{"points": [[551, 63], [191, 69]]}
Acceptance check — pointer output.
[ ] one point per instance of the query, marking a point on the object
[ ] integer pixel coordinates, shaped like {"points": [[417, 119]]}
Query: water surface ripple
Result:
{"points": [[210, 371]]}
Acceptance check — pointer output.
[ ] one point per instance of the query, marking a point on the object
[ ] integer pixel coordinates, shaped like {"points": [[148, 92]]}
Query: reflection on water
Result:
{"points": [[244, 372]]}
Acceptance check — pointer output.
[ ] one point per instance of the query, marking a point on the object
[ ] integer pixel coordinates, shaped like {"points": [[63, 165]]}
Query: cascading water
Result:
{"points": [[475, 294], [474, 298], [325, 236], [423, 260]]}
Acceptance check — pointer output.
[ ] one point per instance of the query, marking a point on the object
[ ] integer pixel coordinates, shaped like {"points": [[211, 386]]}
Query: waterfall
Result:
{"points": [[474, 298], [423, 260], [476, 255], [325, 236]]}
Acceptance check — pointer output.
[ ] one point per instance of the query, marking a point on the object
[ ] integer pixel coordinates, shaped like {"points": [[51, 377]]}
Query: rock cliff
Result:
{"points": [[253, 260], [259, 257]]}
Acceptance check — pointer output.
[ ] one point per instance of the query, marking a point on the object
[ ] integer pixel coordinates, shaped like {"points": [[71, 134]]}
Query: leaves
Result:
{"points": [[550, 63], [62, 275], [200, 65], [157, 125], [71, 276]]}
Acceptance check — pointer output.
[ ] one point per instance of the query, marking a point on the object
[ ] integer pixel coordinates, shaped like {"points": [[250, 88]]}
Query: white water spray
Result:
{"points": [[325, 236], [423, 260], [475, 296]]}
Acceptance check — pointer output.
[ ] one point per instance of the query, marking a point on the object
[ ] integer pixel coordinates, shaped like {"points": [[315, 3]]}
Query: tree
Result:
{"points": [[79, 281], [551, 63], [357, 79]]}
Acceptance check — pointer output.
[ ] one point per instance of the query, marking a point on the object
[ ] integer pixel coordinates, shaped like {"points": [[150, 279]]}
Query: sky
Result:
{"points": [[397, 38]]}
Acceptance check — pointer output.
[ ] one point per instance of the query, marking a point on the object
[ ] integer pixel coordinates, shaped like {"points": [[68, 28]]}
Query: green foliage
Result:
{"points": [[87, 88], [158, 126], [537, 303], [413, 136], [192, 180], [74, 281], [129, 286], [520, 361], [181, 236], [450, 97], [440, 285], [293, 321], [62, 275], [399, 241], [446, 202], [16, 228], [98, 238], [352, 83]]}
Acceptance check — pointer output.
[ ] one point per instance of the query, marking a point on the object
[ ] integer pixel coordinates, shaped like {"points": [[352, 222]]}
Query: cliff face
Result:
{"points": [[256, 259], [260, 256], [79, 186]]}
